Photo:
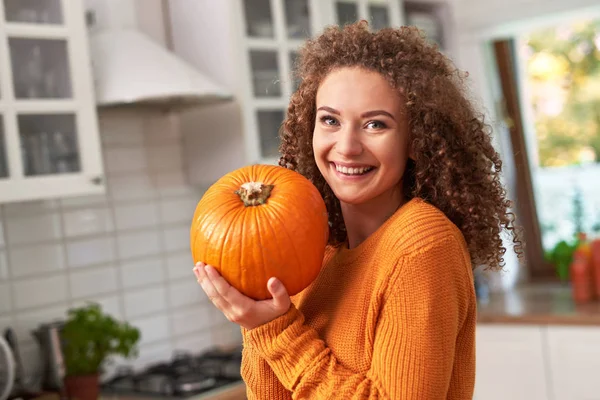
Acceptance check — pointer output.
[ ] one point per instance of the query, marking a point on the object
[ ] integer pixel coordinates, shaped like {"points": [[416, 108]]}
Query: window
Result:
{"points": [[550, 81]]}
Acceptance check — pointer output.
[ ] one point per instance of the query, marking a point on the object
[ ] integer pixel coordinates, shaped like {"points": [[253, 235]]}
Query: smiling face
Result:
{"points": [[360, 138]]}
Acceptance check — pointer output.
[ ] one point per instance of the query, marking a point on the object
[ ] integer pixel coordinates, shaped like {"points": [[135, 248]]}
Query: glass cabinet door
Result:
{"points": [[259, 19], [274, 29], [40, 68], [265, 73], [379, 16], [46, 102], [297, 19], [48, 144], [268, 123], [34, 11], [379, 13], [346, 12]]}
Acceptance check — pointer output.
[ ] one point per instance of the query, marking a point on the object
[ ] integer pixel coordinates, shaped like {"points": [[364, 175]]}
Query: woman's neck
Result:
{"points": [[362, 220]]}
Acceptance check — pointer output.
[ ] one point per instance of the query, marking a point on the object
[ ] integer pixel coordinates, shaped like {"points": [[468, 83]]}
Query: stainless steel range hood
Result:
{"points": [[131, 69]]}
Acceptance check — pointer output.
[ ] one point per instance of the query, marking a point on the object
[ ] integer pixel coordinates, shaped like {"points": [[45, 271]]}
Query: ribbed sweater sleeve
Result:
{"points": [[261, 381], [425, 305]]}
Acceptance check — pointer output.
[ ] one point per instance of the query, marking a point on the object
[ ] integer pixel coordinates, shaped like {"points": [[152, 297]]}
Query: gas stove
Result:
{"points": [[185, 376]]}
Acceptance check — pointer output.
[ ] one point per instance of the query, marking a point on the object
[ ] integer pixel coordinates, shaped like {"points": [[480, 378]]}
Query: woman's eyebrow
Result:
{"points": [[377, 112], [364, 115], [329, 109]]}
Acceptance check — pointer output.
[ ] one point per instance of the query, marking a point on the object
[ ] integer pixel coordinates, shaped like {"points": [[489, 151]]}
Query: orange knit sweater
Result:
{"points": [[393, 318]]}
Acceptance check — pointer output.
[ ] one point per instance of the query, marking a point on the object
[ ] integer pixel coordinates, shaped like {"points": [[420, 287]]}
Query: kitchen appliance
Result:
{"points": [[131, 69], [19, 388], [49, 339], [185, 376], [7, 369]]}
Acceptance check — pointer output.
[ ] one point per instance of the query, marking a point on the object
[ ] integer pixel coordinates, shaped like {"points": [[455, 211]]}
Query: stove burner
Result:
{"points": [[184, 375]]}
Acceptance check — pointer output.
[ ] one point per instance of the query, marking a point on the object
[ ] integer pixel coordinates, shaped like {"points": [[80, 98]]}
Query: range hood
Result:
{"points": [[130, 68]]}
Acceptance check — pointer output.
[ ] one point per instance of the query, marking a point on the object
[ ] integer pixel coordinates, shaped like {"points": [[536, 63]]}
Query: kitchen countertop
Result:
{"points": [[547, 304], [233, 391]]}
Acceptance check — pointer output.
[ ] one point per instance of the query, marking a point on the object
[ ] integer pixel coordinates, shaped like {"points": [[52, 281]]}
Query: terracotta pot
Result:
{"points": [[82, 387]]}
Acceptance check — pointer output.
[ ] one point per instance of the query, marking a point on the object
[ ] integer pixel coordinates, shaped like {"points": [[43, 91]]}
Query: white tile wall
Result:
{"points": [[87, 221], [127, 250], [93, 282], [146, 301], [32, 229], [35, 259], [145, 271], [3, 266], [86, 252]]}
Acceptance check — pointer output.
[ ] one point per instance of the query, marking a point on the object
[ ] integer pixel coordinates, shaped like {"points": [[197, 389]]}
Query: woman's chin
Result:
{"points": [[351, 197]]}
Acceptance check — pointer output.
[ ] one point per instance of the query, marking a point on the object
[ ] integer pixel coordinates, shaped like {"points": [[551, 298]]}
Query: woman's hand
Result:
{"points": [[238, 308]]}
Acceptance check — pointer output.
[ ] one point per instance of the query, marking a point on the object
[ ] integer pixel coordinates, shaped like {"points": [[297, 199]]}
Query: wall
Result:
{"points": [[504, 16], [128, 250], [213, 135]]}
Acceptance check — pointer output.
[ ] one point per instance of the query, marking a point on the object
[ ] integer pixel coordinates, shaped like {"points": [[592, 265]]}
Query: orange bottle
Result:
{"points": [[582, 278]]}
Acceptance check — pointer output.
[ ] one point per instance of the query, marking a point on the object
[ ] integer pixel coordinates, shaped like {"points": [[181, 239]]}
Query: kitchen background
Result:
{"points": [[145, 103]]}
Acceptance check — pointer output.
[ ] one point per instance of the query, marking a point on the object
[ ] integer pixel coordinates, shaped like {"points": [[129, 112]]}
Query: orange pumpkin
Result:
{"points": [[258, 222]]}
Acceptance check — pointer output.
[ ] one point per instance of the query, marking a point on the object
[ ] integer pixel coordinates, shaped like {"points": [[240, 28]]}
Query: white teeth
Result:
{"points": [[352, 171]]}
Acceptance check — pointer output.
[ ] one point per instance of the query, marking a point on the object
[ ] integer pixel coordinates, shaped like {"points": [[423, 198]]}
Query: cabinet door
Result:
{"points": [[574, 358], [379, 13], [510, 363], [49, 145], [272, 31]]}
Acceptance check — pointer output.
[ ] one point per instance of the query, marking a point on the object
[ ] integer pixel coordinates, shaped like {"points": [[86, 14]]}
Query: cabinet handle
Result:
{"points": [[97, 180]]}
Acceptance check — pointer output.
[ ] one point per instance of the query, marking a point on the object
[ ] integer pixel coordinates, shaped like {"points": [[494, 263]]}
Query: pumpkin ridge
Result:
{"points": [[274, 212], [232, 221], [274, 175], [238, 231], [306, 210], [201, 224], [266, 213], [258, 222]]}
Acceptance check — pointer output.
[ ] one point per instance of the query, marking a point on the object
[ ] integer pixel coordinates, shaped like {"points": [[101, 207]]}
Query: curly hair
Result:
{"points": [[455, 166]]}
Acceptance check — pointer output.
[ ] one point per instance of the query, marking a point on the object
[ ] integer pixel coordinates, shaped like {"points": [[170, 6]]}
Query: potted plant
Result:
{"points": [[89, 338], [561, 256]]}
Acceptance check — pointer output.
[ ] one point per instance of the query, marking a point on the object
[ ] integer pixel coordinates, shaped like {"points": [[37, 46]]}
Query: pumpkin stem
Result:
{"points": [[254, 193]]}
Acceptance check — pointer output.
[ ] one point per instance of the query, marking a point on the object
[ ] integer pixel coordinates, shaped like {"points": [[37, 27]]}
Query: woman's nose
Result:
{"points": [[348, 143]]}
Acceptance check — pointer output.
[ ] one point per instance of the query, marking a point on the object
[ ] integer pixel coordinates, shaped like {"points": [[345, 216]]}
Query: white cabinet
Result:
{"points": [[271, 32], [511, 363], [537, 362], [250, 47], [49, 144], [574, 362]]}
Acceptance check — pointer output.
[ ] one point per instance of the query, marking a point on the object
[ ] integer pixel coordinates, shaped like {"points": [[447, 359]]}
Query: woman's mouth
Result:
{"points": [[352, 171]]}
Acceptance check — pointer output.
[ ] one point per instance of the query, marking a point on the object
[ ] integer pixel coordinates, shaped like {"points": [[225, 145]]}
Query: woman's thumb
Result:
{"points": [[281, 299]]}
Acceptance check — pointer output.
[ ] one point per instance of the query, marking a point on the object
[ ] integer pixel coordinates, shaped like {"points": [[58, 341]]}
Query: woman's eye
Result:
{"points": [[327, 120], [376, 125]]}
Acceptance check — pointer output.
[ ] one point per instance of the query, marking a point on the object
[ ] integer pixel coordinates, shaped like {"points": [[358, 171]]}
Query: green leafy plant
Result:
{"points": [[90, 337], [561, 256]]}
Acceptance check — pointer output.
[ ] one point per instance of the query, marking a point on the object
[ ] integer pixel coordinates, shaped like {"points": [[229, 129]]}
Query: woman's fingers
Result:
{"points": [[228, 292], [210, 290], [199, 271]]}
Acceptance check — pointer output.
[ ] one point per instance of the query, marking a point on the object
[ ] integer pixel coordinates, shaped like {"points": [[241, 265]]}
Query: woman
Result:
{"points": [[381, 125]]}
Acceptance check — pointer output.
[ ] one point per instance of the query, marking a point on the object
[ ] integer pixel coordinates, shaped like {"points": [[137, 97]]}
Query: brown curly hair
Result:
{"points": [[456, 168]]}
